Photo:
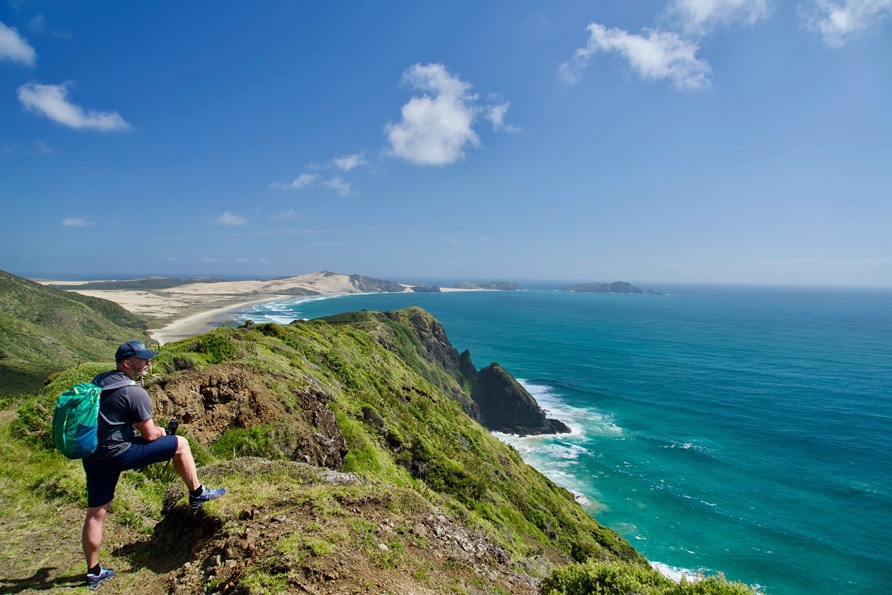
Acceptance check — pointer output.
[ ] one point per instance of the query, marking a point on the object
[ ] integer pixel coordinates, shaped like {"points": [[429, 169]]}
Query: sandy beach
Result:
{"points": [[201, 322], [175, 315]]}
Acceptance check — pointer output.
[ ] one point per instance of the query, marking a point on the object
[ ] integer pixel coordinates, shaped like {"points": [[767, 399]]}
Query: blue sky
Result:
{"points": [[733, 141]]}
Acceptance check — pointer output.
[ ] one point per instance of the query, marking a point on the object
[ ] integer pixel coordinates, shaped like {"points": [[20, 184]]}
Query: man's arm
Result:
{"points": [[149, 431]]}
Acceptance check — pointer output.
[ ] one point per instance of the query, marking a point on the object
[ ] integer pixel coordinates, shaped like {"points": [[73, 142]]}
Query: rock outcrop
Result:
{"points": [[506, 406], [226, 397]]}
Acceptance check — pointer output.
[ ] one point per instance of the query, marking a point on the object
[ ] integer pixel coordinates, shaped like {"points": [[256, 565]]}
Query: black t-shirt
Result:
{"points": [[119, 409]]}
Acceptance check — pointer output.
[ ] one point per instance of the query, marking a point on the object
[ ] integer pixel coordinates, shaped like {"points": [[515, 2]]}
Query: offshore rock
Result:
{"points": [[506, 406]]}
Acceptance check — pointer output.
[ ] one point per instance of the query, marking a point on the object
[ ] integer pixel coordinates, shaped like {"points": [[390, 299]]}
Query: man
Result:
{"points": [[126, 405]]}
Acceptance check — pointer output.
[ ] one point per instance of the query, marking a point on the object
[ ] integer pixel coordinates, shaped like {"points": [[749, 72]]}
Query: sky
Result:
{"points": [[725, 141]]}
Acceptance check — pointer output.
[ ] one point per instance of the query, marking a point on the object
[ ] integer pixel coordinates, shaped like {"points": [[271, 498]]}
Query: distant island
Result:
{"points": [[494, 285], [615, 287]]}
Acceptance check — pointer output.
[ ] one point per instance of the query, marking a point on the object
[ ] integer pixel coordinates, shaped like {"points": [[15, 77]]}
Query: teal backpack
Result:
{"points": [[76, 419]]}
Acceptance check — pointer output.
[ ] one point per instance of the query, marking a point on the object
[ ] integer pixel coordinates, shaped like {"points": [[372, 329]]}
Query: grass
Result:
{"points": [[45, 330]]}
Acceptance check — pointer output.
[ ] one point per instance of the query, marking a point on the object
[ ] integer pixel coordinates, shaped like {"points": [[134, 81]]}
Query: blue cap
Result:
{"points": [[134, 349]]}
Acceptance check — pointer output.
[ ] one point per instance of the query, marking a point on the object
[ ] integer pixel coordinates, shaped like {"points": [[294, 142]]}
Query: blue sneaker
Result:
{"points": [[206, 494], [94, 580]]}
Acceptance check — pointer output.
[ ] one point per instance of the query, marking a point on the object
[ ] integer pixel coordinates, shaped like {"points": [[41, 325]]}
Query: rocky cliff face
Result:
{"points": [[506, 406], [491, 396]]}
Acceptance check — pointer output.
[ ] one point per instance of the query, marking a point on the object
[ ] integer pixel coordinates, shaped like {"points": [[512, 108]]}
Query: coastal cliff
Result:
{"points": [[379, 400], [491, 396], [354, 460]]}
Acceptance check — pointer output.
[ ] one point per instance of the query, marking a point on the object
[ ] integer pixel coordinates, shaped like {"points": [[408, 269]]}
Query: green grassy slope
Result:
{"points": [[45, 330]]}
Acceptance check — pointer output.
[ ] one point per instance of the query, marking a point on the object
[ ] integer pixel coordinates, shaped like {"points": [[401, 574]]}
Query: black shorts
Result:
{"points": [[103, 474]]}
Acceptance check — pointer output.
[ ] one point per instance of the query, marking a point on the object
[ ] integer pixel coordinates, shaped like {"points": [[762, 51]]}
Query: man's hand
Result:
{"points": [[149, 431]]}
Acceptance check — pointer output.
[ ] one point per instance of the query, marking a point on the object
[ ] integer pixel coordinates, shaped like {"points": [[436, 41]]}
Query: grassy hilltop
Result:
{"points": [[352, 468]]}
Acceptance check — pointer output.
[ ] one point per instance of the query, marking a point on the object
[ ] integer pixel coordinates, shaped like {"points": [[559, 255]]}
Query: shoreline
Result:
{"points": [[204, 321], [201, 322]]}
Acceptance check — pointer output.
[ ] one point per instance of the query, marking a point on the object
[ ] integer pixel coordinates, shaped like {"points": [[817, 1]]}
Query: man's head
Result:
{"points": [[133, 358]]}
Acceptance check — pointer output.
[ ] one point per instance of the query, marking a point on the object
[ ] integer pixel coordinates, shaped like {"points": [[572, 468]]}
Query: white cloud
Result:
{"points": [[338, 185], [229, 218], [289, 214], [301, 181], [15, 48], [52, 101], [654, 55], [349, 162], [210, 259], [840, 20], [38, 27], [496, 116], [436, 128], [536, 18], [77, 222], [36, 148], [698, 16]]}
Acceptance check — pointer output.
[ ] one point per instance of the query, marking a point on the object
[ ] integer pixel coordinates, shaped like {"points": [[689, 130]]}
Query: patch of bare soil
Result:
{"points": [[230, 396]]}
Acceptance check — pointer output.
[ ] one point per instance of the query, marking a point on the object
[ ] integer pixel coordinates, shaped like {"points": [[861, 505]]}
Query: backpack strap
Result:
{"points": [[117, 385], [105, 390]]}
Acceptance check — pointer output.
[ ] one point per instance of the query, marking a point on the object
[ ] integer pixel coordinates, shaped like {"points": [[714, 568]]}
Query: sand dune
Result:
{"points": [[188, 310]]}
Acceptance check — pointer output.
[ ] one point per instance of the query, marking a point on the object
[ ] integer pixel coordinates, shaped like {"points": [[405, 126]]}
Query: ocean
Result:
{"points": [[743, 430]]}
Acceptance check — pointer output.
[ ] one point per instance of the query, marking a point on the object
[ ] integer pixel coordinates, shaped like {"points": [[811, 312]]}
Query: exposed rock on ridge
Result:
{"points": [[228, 396]]}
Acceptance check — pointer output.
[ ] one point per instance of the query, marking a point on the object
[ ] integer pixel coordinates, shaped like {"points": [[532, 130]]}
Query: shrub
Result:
{"points": [[615, 577], [216, 346]]}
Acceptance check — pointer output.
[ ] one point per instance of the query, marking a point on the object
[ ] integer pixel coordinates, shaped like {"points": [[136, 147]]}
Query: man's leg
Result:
{"points": [[184, 464], [91, 538]]}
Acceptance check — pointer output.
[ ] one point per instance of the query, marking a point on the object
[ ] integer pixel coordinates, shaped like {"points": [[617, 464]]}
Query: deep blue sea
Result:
{"points": [[735, 429]]}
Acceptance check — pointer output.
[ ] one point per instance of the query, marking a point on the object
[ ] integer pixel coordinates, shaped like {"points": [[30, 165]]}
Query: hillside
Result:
{"points": [[351, 465], [45, 330]]}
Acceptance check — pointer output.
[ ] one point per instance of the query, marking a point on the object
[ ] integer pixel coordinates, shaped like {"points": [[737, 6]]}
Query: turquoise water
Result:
{"points": [[742, 430]]}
